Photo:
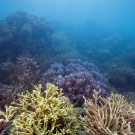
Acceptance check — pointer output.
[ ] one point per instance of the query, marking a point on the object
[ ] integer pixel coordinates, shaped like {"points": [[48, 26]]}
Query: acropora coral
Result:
{"points": [[3, 121], [110, 116], [43, 113]]}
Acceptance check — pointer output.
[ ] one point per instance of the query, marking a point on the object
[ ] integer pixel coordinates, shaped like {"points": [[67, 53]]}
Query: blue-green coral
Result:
{"points": [[44, 113]]}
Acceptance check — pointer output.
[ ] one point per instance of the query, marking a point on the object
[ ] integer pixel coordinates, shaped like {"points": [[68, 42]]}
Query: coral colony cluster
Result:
{"points": [[112, 116], [77, 79], [68, 97], [20, 32]]}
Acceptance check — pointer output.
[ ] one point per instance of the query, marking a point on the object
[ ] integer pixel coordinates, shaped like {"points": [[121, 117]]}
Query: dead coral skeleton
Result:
{"points": [[110, 116]]}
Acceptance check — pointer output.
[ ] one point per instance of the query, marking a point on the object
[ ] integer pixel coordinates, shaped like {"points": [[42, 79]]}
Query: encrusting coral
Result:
{"points": [[110, 116], [44, 113]]}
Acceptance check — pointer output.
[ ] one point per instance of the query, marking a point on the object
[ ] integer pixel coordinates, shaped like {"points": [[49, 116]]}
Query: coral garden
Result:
{"points": [[50, 86], [111, 116], [23, 32], [123, 79], [44, 113]]}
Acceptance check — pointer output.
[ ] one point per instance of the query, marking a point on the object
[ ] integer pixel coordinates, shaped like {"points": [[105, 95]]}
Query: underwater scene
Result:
{"points": [[67, 67]]}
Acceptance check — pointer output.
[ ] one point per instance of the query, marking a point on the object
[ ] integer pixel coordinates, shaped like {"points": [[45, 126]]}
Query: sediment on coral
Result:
{"points": [[109, 116]]}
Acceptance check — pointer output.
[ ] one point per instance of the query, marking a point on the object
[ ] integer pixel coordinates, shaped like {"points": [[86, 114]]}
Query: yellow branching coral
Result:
{"points": [[5, 118], [110, 116], [3, 121], [43, 113]]}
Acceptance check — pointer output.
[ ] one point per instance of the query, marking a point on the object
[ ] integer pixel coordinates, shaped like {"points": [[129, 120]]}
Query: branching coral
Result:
{"points": [[6, 96], [3, 121], [5, 117], [110, 116], [43, 113], [22, 75]]}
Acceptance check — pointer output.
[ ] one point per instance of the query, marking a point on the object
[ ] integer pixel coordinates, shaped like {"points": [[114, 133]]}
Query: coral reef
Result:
{"points": [[110, 116], [43, 112], [3, 121], [129, 96], [17, 78], [122, 78], [77, 79], [103, 55], [22, 75], [130, 58], [61, 44], [22, 32], [6, 96]]}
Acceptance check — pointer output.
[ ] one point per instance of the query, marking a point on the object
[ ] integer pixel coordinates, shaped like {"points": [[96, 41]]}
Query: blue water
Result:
{"points": [[116, 15], [90, 25]]}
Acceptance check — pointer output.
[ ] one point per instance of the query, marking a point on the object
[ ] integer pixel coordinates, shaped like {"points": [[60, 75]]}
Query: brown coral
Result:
{"points": [[22, 75], [110, 116]]}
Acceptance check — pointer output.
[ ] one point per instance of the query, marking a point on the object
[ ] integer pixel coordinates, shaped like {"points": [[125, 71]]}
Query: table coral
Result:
{"points": [[44, 113], [110, 116]]}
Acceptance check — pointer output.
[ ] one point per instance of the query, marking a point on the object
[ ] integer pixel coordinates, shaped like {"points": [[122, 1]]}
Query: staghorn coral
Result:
{"points": [[22, 75], [110, 116], [43, 113], [4, 119]]}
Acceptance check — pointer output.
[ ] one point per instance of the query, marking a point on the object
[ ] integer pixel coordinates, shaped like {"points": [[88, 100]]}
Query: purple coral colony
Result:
{"points": [[76, 78]]}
